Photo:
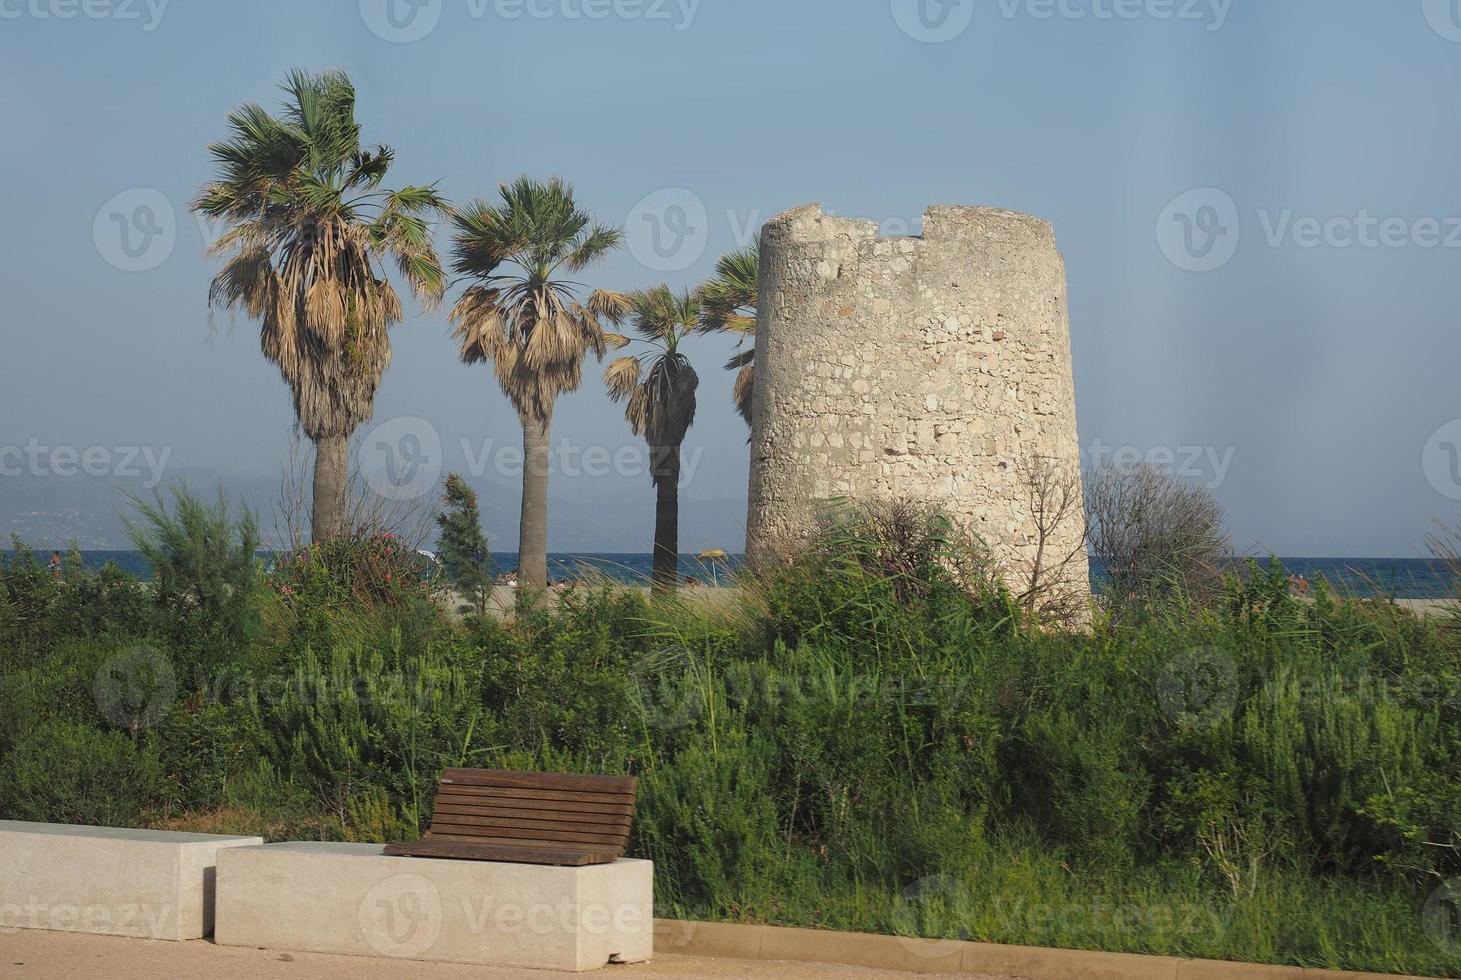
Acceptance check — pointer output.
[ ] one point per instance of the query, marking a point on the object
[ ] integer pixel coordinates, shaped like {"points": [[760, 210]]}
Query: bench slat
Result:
{"points": [[542, 780], [539, 829], [518, 793], [459, 798], [598, 822], [495, 852], [511, 834]]}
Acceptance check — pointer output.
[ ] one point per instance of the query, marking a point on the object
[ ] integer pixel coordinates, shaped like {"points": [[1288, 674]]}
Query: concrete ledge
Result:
{"points": [[933, 956], [146, 884], [350, 898]]}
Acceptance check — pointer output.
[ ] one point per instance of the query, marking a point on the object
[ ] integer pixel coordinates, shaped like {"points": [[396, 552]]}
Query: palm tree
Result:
{"points": [[658, 386], [728, 303], [530, 323], [310, 229]]}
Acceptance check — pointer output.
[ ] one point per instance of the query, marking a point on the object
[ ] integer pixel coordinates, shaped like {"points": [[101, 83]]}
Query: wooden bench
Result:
{"points": [[527, 818]]}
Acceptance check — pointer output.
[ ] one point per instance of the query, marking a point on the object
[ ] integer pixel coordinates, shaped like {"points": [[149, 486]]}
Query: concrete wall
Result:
{"points": [[148, 884], [350, 898], [935, 367]]}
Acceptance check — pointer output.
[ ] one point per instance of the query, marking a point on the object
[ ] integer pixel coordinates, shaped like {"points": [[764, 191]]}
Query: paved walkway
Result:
{"points": [[36, 955]]}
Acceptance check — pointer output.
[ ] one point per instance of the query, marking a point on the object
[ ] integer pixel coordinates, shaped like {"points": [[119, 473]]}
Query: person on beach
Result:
{"points": [[55, 565]]}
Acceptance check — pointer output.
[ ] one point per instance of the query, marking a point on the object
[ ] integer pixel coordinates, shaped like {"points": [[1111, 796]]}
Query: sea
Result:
{"points": [[1402, 578]]}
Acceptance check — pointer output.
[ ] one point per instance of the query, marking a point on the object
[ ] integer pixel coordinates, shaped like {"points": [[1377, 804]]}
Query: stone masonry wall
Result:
{"points": [[935, 367]]}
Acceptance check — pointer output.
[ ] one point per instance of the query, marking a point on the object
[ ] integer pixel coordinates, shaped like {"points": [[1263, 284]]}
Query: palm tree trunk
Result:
{"points": [[332, 463], [666, 463], [532, 559]]}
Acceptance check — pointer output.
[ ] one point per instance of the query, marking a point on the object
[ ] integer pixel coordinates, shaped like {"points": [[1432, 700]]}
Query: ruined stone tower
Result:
{"points": [[935, 367]]}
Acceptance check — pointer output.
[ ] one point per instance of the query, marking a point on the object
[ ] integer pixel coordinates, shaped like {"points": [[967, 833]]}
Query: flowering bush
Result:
{"points": [[369, 571]]}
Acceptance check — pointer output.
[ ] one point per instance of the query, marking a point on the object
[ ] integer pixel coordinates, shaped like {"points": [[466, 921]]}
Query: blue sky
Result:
{"points": [[1308, 373]]}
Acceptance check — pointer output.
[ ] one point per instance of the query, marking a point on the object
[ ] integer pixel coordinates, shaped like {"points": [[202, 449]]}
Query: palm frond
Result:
{"points": [[622, 377], [309, 229], [741, 393], [728, 299], [520, 313]]}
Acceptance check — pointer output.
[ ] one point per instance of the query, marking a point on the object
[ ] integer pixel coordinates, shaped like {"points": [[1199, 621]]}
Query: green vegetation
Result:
{"points": [[868, 739], [462, 547], [728, 304]]}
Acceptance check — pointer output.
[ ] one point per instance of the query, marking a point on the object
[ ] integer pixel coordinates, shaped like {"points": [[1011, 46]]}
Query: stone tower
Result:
{"points": [[935, 367]]}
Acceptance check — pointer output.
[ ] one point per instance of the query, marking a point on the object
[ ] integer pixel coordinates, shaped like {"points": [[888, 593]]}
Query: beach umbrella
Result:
{"points": [[714, 556]]}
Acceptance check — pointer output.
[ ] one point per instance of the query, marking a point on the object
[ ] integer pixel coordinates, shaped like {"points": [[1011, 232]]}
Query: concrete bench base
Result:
{"points": [[350, 898], [143, 883]]}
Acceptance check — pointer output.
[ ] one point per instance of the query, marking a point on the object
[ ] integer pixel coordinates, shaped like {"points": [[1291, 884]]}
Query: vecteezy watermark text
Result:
{"points": [[96, 461], [140, 921], [938, 21], [403, 915], [1208, 465], [404, 21], [147, 12], [1211, 14], [402, 459], [1200, 230]]}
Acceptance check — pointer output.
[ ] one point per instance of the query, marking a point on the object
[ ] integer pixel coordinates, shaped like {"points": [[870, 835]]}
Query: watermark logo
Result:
{"points": [[669, 230], [1442, 460], [1198, 687], [401, 916], [136, 230], [401, 459], [678, 933], [135, 688], [400, 21], [933, 21], [938, 904], [667, 690], [1444, 16], [1199, 231], [147, 12], [1441, 917]]}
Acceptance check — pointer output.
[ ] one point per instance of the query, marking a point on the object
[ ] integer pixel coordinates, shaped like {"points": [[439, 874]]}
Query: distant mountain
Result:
{"points": [[51, 511]]}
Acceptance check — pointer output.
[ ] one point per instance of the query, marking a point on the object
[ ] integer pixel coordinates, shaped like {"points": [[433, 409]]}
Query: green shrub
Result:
{"points": [[375, 572], [28, 596], [206, 582], [463, 547], [62, 772], [203, 745], [361, 722]]}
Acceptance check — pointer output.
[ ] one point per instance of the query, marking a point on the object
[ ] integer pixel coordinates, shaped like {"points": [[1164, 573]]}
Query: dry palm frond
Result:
{"points": [[622, 377], [660, 400], [745, 382], [309, 230], [519, 314]]}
